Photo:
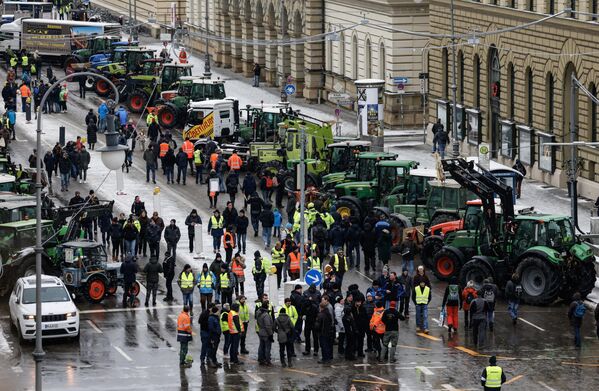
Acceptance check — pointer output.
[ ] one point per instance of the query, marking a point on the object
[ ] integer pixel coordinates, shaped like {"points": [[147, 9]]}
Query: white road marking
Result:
{"points": [[160, 307], [361, 365], [531, 324], [425, 370], [379, 378], [122, 353], [255, 377], [448, 387], [93, 326], [438, 322], [364, 275], [546, 386]]}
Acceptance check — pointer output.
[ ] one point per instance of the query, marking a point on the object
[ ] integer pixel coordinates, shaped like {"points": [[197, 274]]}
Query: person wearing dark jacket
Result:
{"points": [[337, 236], [452, 301], [49, 165], [129, 271], [576, 313], [152, 271], [64, 167], [168, 267], [324, 328], [142, 241], [241, 224], [384, 246], [153, 234], [256, 205], [172, 234], [404, 300], [368, 242], [230, 215], [421, 276], [214, 331], [248, 188], [116, 236], [130, 234], [104, 222], [297, 302], [181, 166], [191, 221], [203, 320], [137, 206], [91, 117], [267, 219], [77, 199], [352, 243], [92, 135], [284, 329], [513, 293], [478, 312], [215, 267], [232, 183], [168, 164]]}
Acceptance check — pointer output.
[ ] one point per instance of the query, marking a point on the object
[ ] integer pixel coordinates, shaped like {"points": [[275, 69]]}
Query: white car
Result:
{"points": [[60, 316]]}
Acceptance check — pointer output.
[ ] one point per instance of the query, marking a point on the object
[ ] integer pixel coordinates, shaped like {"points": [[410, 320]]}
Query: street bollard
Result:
{"points": [[198, 242], [273, 291], [62, 135], [120, 183]]}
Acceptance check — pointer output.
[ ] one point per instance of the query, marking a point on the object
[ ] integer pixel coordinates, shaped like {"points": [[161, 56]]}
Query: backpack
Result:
{"points": [[454, 294], [268, 182], [489, 295], [376, 322], [580, 310], [469, 297], [518, 290]]}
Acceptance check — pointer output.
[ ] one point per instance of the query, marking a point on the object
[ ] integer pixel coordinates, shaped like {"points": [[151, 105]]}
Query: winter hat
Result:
{"points": [[256, 254], [369, 294], [205, 266], [404, 269], [493, 360], [298, 286]]}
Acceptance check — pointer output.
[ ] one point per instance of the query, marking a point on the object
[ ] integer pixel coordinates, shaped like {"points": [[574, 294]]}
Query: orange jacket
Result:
{"points": [[232, 327], [213, 160], [236, 268], [465, 292], [188, 148], [163, 149], [294, 262], [184, 322], [229, 240], [235, 162], [25, 91]]}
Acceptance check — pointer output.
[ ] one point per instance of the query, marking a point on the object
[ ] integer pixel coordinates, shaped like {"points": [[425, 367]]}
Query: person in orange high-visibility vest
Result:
{"points": [[184, 335], [235, 330], [188, 149], [293, 265], [214, 159], [163, 149], [237, 267], [377, 327], [183, 56], [234, 162], [229, 243]]}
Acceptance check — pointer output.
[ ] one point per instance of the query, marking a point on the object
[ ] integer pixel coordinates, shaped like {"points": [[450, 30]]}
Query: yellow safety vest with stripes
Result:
{"points": [[314, 263], [186, 280], [336, 263], [244, 313], [278, 256], [224, 280], [217, 223], [493, 377], [422, 296], [197, 157]]}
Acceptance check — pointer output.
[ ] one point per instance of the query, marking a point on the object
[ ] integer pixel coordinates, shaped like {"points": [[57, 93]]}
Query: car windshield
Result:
{"points": [[52, 294]]}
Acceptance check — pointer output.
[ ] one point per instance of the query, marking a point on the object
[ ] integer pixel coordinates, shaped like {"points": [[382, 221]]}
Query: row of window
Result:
{"points": [[355, 58], [551, 6]]}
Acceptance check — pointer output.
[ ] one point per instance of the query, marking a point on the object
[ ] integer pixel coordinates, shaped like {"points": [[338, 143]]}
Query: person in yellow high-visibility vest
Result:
{"points": [[277, 253], [493, 376], [421, 298], [224, 327], [244, 317], [197, 161]]}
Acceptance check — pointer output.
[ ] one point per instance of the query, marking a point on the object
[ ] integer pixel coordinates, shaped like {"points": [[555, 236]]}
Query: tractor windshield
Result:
{"points": [[195, 117], [473, 217], [184, 88], [418, 189], [366, 169], [201, 91], [118, 56], [342, 159], [556, 234], [390, 178]]}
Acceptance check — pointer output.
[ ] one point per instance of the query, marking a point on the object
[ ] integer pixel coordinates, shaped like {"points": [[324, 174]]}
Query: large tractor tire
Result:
{"points": [[443, 218], [102, 88], [27, 267], [446, 264], [273, 167], [397, 226], [347, 207], [475, 270], [431, 246], [95, 289], [540, 281], [167, 116], [137, 100], [580, 279], [290, 185]]}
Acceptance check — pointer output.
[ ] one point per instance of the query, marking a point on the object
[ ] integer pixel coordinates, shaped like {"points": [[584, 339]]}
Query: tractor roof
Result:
{"points": [[177, 65], [7, 178], [134, 49], [207, 104], [191, 78], [81, 244], [16, 204], [204, 80], [398, 163], [424, 172], [377, 155], [24, 223], [449, 183], [350, 143], [541, 217]]}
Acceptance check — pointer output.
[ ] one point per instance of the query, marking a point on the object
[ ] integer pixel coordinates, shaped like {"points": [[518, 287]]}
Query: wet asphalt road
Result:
{"points": [[129, 349]]}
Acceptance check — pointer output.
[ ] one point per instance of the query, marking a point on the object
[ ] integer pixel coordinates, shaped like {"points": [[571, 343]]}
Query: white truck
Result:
{"points": [[214, 118], [53, 39]]}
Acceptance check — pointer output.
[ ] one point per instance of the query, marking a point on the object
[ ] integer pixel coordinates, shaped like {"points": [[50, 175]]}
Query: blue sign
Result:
{"points": [[313, 276], [400, 80], [290, 89]]}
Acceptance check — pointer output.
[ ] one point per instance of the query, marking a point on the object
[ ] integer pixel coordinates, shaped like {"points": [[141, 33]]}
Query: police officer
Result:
{"points": [[492, 377]]}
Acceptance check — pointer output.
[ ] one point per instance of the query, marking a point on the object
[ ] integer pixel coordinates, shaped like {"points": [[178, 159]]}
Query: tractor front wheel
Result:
{"points": [[431, 246], [102, 88], [540, 282], [475, 270], [167, 116], [445, 265], [136, 101], [348, 208], [443, 218], [95, 289]]}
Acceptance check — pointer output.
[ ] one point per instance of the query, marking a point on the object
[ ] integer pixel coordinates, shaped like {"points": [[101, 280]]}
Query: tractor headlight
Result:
{"points": [[29, 317], [71, 314]]}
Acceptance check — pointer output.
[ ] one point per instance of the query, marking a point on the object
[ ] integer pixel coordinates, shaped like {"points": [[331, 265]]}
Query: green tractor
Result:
{"points": [[262, 122], [542, 249], [155, 76], [125, 61], [95, 45], [172, 106]]}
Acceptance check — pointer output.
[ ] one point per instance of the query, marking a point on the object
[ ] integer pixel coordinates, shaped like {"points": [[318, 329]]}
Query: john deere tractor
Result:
{"points": [[154, 77], [542, 249], [173, 104]]}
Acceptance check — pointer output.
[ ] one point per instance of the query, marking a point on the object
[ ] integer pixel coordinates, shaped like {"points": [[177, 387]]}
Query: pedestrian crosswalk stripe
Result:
{"points": [[428, 337], [414, 347], [514, 379], [466, 350]]}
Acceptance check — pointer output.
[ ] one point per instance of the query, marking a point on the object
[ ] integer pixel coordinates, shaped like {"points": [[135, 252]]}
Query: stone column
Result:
{"points": [[314, 51], [247, 55], [225, 47], [259, 50], [270, 61], [283, 60], [297, 66], [236, 50]]}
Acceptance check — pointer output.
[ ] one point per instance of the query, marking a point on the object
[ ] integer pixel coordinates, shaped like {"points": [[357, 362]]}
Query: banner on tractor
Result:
{"points": [[205, 129]]}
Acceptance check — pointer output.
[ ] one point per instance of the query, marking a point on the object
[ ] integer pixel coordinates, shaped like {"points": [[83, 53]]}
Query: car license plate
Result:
{"points": [[48, 326]]}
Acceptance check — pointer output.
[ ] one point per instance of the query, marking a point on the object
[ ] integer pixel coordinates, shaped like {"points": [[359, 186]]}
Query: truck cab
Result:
{"points": [[210, 118]]}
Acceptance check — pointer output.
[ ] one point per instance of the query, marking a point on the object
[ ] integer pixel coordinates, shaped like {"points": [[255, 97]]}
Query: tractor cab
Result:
{"points": [[203, 88], [262, 121], [555, 232], [18, 235], [100, 44], [393, 176], [132, 58], [83, 264], [343, 155], [8, 183], [171, 73], [16, 211]]}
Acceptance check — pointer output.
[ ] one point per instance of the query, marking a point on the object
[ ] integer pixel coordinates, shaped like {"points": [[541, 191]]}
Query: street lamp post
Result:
{"points": [[38, 352], [302, 188], [207, 72], [283, 31], [454, 87]]}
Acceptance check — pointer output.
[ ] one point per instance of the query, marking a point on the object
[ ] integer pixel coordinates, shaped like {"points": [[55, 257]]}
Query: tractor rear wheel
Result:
{"points": [[579, 279], [540, 282], [137, 100], [430, 247], [95, 289], [445, 264], [167, 116], [475, 270], [27, 268], [347, 208], [442, 218], [102, 88], [397, 227]]}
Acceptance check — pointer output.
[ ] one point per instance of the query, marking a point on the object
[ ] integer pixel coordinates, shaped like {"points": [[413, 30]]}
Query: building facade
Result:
{"points": [[514, 87], [376, 49], [146, 11]]}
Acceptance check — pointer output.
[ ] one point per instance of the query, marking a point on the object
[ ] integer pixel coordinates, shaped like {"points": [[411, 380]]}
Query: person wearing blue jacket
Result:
{"points": [[206, 282], [102, 116], [215, 332], [277, 225], [123, 116]]}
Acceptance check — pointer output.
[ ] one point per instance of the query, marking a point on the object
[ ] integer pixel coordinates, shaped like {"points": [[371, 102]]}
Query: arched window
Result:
{"points": [[368, 63], [593, 114], [445, 79], [354, 57], [549, 101], [476, 78], [382, 61], [461, 77], [342, 54], [529, 97], [511, 89]]}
